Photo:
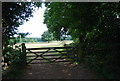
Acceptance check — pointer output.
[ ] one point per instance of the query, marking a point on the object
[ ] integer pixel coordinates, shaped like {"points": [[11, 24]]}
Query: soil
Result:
{"points": [[58, 71]]}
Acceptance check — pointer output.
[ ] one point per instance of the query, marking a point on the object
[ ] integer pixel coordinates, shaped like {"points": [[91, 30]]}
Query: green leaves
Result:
{"points": [[15, 14], [96, 26], [47, 36], [12, 56], [72, 18], [77, 18]]}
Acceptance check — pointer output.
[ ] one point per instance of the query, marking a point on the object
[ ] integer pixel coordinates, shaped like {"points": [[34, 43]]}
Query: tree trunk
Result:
{"points": [[80, 51], [80, 45]]}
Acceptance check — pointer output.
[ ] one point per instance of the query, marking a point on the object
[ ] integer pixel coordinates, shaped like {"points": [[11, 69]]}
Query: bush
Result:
{"points": [[103, 58], [11, 56]]}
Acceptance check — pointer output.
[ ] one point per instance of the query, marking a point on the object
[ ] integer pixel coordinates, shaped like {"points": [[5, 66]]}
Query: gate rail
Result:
{"points": [[50, 54]]}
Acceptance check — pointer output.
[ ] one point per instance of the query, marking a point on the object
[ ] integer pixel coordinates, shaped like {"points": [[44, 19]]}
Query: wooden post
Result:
{"points": [[24, 59]]}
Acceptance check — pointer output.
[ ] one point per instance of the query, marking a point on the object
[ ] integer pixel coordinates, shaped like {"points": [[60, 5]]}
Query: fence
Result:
{"points": [[48, 54]]}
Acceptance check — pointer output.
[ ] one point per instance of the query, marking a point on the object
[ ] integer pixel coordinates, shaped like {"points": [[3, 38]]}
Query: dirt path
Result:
{"points": [[58, 71]]}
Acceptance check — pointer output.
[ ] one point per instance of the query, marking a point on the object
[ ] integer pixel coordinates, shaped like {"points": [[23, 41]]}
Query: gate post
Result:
{"points": [[23, 57], [80, 58], [77, 54]]}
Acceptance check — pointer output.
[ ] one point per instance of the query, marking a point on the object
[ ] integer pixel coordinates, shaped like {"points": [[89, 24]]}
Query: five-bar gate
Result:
{"points": [[50, 54]]}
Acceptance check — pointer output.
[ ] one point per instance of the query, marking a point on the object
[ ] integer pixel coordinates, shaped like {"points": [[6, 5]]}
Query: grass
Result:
{"points": [[38, 45], [45, 60]]}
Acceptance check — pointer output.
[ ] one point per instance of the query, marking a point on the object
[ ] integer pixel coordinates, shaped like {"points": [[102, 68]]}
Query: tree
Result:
{"points": [[92, 25], [47, 36], [13, 15], [80, 20]]}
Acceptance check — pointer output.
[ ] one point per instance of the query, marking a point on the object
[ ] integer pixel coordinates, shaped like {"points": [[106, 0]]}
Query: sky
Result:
{"points": [[35, 25]]}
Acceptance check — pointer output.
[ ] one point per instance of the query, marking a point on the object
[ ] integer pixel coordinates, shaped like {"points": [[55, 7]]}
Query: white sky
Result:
{"points": [[35, 25]]}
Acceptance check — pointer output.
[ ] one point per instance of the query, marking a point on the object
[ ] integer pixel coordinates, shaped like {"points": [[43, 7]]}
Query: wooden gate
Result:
{"points": [[50, 54]]}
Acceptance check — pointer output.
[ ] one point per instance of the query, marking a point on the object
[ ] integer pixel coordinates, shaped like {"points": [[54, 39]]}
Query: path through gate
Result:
{"points": [[51, 54]]}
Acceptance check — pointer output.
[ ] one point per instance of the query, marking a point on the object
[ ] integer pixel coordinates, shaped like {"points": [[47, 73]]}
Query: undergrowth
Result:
{"points": [[13, 72]]}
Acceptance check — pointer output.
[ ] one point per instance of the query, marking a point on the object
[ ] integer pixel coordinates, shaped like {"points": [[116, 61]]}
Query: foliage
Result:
{"points": [[18, 39], [47, 36], [30, 40], [12, 41], [15, 14], [12, 56], [80, 20], [23, 35], [60, 17], [93, 26]]}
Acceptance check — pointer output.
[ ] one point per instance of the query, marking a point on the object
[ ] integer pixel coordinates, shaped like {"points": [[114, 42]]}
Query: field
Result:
{"points": [[46, 44]]}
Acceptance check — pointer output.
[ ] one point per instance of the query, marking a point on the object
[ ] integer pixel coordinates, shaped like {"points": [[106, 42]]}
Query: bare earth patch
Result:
{"points": [[58, 71]]}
